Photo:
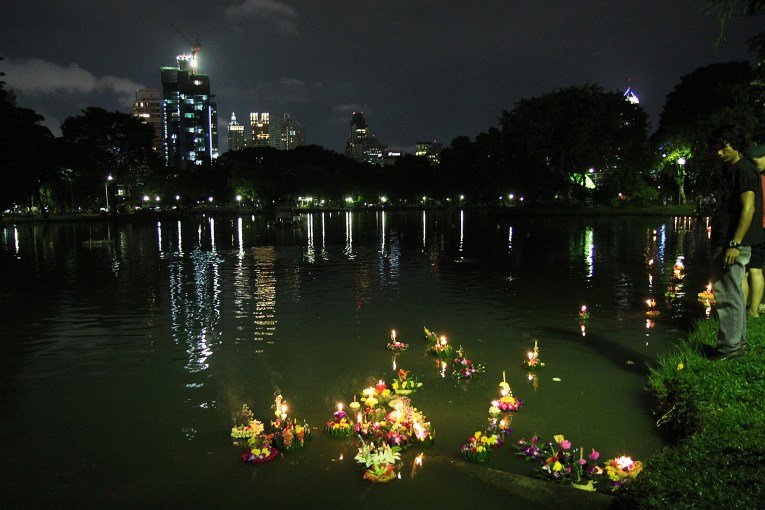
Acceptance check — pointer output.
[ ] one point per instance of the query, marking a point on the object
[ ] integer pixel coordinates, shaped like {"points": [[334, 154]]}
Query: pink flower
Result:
{"points": [[581, 462], [594, 455], [565, 444]]}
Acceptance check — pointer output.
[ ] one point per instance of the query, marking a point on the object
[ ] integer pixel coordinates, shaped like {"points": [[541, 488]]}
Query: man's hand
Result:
{"points": [[731, 254]]}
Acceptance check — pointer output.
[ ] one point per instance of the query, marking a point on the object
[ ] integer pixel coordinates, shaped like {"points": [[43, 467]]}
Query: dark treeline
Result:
{"points": [[580, 144]]}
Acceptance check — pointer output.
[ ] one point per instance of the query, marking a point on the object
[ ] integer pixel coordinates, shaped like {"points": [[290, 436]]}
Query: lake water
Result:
{"points": [[124, 363]]}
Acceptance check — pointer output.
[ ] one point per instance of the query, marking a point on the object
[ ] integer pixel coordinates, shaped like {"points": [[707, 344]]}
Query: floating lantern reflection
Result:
{"points": [[533, 379], [707, 297], [678, 270], [652, 311]]}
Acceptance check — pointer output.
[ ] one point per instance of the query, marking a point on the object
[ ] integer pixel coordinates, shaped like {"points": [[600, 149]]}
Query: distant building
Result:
{"points": [[430, 150], [630, 96], [259, 125], [235, 134], [286, 133], [362, 145], [148, 108], [189, 116]]}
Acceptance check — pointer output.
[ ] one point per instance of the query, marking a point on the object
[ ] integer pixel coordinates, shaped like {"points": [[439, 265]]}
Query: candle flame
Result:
{"points": [[339, 407]]}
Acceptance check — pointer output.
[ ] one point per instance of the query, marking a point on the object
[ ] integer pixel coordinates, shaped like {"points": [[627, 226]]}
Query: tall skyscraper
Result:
{"points": [[430, 150], [362, 145], [148, 108], [189, 116], [260, 124], [286, 133], [235, 134]]}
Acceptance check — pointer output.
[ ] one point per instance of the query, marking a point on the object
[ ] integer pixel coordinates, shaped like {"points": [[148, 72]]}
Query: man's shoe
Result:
{"points": [[717, 355]]}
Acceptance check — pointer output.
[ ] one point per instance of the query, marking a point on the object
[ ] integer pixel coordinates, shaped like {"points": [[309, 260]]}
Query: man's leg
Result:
{"points": [[729, 294], [756, 285]]}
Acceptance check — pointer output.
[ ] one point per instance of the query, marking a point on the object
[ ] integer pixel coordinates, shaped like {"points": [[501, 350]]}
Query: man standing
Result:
{"points": [[733, 235]]}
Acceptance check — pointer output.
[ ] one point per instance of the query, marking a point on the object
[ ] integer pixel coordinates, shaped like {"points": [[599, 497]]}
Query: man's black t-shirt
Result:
{"points": [[738, 179]]}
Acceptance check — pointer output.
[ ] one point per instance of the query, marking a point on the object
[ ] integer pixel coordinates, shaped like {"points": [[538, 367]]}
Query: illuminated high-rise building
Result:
{"points": [[430, 150], [148, 108], [235, 134], [362, 145], [260, 125], [189, 116], [286, 133]]}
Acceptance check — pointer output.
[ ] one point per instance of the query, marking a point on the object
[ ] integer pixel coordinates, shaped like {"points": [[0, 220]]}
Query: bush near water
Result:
{"points": [[714, 413]]}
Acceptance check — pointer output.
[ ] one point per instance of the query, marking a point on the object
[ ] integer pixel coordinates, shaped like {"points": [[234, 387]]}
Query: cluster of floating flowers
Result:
{"points": [[260, 447], [557, 461]]}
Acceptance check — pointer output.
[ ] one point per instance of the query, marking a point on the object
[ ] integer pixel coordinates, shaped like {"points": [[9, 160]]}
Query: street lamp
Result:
{"points": [[681, 181], [106, 191]]}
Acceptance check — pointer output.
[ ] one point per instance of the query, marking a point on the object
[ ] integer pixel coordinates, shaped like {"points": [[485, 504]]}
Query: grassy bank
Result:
{"points": [[715, 414]]}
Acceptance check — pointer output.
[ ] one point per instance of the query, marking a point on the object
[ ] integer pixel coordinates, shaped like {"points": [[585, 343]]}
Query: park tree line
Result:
{"points": [[579, 144]]}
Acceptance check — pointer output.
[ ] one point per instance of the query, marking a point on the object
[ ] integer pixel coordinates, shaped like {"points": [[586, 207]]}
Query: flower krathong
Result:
{"points": [[288, 434], [533, 361], [405, 385], [478, 447], [558, 462], [439, 347], [622, 470], [379, 460], [396, 345], [340, 425], [584, 315], [464, 368], [249, 434]]}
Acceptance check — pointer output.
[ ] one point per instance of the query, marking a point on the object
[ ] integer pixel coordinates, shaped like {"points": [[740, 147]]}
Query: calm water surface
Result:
{"points": [[123, 364]]}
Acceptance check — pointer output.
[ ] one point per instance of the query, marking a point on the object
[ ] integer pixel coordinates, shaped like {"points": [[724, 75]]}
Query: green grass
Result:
{"points": [[714, 413]]}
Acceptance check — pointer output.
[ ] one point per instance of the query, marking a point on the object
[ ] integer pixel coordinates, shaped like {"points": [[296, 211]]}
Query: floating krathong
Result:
{"points": [[707, 297], [396, 345], [464, 368], [622, 470], [478, 447], [506, 403], [340, 425], [250, 434], [584, 315], [532, 361], [379, 460], [441, 348], [652, 310], [405, 385], [288, 433]]}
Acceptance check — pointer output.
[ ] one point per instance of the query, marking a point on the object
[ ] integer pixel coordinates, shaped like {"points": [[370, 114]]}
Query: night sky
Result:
{"points": [[419, 70]]}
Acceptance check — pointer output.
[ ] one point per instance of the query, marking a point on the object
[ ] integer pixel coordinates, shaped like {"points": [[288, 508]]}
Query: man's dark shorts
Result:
{"points": [[758, 257]]}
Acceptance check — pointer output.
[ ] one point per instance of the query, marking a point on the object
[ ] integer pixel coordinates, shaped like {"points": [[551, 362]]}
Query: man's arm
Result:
{"points": [[757, 154], [747, 213]]}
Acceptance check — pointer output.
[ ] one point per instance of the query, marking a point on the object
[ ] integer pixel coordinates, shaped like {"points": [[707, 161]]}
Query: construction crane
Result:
{"points": [[195, 46]]}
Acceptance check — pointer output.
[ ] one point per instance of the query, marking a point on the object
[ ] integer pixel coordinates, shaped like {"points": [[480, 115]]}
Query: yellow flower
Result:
{"points": [[680, 366], [385, 392], [559, 438], [477, 435], [557, 466], [480, 449]]}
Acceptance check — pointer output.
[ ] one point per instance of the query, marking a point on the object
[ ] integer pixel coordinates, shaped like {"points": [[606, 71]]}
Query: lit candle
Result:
{"points": [[393, 335], [380, 386], [443, 340], [284, 411]]}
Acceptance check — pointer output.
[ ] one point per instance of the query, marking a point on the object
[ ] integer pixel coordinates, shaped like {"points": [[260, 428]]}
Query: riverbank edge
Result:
{"points": [[714, 415], [521, 211]]}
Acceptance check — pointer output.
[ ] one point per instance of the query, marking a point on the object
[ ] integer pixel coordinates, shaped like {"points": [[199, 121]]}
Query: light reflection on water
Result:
{"points": [[182, 335]]}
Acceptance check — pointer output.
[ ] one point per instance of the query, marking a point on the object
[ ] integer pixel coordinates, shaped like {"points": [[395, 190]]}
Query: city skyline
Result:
{"points": [[417, 73]]}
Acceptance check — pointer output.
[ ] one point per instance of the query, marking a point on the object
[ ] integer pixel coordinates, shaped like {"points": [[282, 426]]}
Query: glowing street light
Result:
{"points": [[239, 198], [106, 190], [210, 199], [146, 198]]}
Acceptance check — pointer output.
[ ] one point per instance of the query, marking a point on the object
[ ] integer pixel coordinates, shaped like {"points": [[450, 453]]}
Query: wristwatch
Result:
{"points": [[734, 244]]}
